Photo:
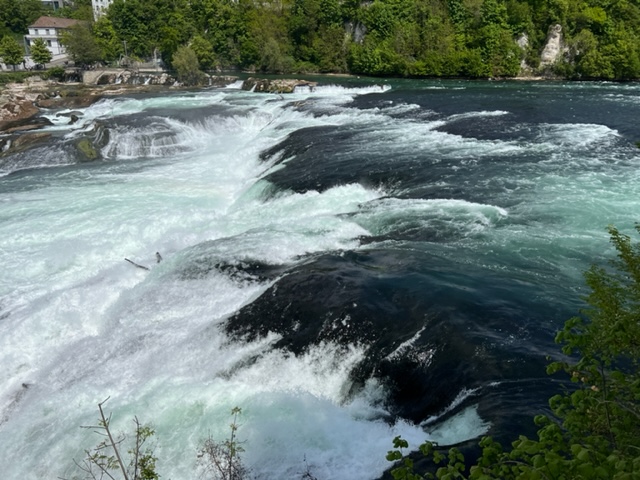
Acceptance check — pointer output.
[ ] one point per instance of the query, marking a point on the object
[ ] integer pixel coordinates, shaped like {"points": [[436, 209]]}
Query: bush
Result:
{"points": [[14, 77], [55, 73]]}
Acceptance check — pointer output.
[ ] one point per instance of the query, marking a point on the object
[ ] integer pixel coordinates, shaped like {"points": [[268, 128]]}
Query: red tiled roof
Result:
{"points": [[53, 22]]}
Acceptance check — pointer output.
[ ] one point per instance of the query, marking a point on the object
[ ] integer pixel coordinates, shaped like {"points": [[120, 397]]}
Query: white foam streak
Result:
{"points": [[482, 113], [466, 423], [338, 90], [392, 215], [579, 135], [463, 395]]}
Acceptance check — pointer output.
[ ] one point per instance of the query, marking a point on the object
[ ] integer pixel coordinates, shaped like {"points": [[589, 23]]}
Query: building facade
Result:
{"points": [[99, 7], [49, 29]]}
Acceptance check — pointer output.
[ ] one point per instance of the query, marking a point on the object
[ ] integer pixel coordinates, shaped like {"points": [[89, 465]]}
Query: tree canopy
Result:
{"points": [[187, 67], [81, 44], [11, 51], [40, 54], [17, 15], [436, 38]]}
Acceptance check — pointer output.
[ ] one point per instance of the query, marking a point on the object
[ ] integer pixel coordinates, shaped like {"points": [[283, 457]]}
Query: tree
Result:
{"points": [[81, 44], [186, 65], [17, 15], [107, 39], [10, 51], [40, 54], [595, 430], [204, 52], [78, 9]]}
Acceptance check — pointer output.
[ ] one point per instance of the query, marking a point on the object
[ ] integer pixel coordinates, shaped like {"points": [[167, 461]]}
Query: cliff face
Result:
{"points": [[553, 48]]}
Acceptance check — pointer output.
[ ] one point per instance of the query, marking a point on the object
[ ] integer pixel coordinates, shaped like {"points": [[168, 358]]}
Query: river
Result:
{"points": [[365, 259]]}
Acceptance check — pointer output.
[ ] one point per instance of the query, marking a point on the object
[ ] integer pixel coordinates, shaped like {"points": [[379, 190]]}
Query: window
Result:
{"points": [[48, 43], [47, 31]]}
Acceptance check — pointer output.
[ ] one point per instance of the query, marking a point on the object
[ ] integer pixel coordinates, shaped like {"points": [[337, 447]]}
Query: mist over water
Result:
{"points": [[346, 264]]}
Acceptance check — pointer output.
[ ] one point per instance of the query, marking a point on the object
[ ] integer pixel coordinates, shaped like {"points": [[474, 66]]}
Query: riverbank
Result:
{"points": [[22, 102]]}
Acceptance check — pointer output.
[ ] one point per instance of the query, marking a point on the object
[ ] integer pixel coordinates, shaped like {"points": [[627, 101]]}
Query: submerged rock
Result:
{"points": [[86, 149]]}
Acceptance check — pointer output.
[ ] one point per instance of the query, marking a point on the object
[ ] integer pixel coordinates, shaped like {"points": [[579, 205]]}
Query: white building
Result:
{"points": [[99, 7], [50, 30]]}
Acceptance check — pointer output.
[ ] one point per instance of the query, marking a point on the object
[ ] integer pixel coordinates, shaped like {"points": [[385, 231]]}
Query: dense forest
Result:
{"points": [[439, 38]]}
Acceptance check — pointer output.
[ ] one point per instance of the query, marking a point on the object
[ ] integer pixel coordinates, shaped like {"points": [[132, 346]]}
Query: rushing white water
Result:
{"points": [[78, 324]]}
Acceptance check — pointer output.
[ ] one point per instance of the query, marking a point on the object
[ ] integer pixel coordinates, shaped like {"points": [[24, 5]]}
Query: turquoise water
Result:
{"points": [[346, 265]]}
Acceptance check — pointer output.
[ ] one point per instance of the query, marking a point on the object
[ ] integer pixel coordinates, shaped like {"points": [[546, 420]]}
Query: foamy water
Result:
{"points": [[78, 324]]}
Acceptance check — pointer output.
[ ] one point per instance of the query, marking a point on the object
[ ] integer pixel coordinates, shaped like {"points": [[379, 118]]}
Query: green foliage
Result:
{"points": [[595, 430], [204, 52], [40, 54], [81, 44], [107, 39], [11, 52], [185, 62], [441, 38], [17, 15], [78, 9], [13, 77], [55, 73]]}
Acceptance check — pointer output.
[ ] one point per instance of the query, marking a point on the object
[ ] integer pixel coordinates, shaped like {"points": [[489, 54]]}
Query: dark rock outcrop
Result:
{"points": [[18, 143], [24, 124]]}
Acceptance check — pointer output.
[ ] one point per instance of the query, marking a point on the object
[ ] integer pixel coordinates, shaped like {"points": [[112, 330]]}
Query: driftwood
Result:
{"points": [[137, 264]]}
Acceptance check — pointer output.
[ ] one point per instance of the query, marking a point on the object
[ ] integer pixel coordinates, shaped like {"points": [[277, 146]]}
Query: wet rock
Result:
{"points": [[24, 124], [86, 149], [19, 143], [221, 80], [69, 100], [275, 85], [73, 119], [89, 146], [77, 113]]}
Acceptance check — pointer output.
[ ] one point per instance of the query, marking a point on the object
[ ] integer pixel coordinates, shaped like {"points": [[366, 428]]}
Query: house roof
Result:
{"points": [[53, 22]]}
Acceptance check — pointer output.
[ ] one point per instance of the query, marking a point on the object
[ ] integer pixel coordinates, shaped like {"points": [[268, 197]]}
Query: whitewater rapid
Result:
{"points": [[185, 174]]}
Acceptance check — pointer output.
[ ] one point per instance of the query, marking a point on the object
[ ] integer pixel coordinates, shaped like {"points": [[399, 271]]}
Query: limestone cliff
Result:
{"points": [[553, 48]]}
